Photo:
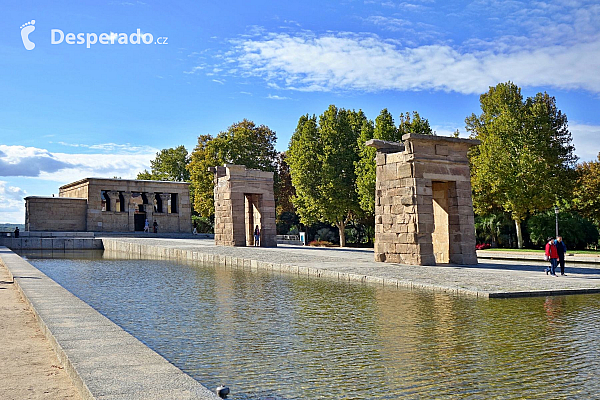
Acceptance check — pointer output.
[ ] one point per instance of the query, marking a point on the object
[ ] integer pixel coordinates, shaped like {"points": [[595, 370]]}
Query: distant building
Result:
{"points": [[111, 205]]}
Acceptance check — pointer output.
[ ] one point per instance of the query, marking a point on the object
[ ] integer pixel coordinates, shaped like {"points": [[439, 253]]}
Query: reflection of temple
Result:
{"points": [[111, 205]]}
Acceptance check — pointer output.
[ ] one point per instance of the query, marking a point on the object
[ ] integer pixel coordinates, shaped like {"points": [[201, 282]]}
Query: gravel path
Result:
{"points": [[28, 365]]}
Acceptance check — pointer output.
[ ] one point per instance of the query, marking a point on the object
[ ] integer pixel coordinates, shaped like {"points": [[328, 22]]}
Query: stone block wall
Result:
{"points": [[55, 214], [243, 199], [423, 206]]}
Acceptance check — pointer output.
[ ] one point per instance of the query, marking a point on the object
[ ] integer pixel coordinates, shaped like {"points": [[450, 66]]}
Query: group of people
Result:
{"points": [[147, 226], [555, 253]]}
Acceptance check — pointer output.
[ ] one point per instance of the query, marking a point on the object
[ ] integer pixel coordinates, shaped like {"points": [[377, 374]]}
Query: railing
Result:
{"points": [[288, 237]]}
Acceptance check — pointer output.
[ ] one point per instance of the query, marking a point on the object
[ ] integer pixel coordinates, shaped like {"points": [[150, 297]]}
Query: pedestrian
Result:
{"points": [[552, 256], [147, 226], [257, 236], [561, 249], [155, 225], [195, 231], [16, 232]]}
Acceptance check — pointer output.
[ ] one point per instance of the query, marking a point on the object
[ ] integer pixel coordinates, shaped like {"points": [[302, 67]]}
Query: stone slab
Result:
{"points": [[104, 361]]}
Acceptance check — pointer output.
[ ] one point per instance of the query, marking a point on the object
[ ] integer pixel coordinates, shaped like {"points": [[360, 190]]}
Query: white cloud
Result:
{"points": [[113, 147], [586, 139], [12, 205], [65, 167], [346, 61], [275, 97]]}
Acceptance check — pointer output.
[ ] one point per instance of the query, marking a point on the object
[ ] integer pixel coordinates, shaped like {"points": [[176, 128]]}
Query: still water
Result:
{"points": [[272, 336]]}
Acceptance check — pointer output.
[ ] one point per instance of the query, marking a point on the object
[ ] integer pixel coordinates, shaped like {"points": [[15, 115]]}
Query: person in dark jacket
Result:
{"points": [[552, 255], [561, 249]]}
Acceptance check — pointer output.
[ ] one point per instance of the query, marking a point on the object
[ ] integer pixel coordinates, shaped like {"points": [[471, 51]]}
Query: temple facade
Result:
{"points": [[111, 205]]}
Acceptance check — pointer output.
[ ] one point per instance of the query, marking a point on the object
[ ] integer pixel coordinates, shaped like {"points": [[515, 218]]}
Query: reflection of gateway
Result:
{"points": [[111, 205]]}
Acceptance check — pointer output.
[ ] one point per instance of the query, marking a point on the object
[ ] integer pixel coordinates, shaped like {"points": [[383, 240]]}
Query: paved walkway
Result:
{"points": [[29, 367], [491, 278]]}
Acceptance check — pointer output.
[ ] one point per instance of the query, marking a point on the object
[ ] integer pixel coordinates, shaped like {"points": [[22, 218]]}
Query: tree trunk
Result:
{"points": [[341, 226], [519, 233]]}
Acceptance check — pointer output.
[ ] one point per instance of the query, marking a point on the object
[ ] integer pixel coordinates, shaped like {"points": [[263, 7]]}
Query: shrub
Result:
{"points": [[203, 224], [320, 243], [326, 235], [482, 246], [578, 232]]}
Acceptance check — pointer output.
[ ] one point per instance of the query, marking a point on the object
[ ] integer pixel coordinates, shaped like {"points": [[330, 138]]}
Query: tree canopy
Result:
{"points": [[169, 165], [243, 143], [525, 159], [586, 195]]}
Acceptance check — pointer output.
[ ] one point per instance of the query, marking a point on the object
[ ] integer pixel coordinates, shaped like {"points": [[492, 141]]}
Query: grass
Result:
{"points": [[576, 252]]}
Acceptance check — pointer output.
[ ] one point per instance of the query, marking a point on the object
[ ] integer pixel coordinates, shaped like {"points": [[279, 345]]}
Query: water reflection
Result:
{"points": [[283, 337]]}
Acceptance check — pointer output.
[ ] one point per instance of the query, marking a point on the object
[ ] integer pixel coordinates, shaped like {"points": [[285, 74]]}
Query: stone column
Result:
{"points": [[164, 199], [149, 208], [113, 196], [130, 209]]}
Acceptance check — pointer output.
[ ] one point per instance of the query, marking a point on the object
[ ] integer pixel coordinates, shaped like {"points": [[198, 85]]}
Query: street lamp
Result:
{"points": [[556, 213]]}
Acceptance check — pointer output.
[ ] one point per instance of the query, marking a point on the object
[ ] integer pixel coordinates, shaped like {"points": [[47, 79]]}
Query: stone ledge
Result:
{"points": [[115, 366]]}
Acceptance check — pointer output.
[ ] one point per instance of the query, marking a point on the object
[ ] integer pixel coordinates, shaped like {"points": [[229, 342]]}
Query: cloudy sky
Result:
{"points": [[69, 111]]}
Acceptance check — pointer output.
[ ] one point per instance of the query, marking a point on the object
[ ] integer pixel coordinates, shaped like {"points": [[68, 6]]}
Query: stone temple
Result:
{"points": [[111, 205], [423, 205], [244, 199]]}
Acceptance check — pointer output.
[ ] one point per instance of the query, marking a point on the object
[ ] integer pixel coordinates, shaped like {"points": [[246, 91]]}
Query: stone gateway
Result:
{"points": [[423, 205], [244, 199]]}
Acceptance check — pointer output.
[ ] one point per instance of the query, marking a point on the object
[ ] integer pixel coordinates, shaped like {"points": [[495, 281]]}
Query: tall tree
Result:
{"points": [[242, 143], [203, 157], [284, 190], [415, 125], [169, 165], [525, 156], [586, 196], [321, 160]]}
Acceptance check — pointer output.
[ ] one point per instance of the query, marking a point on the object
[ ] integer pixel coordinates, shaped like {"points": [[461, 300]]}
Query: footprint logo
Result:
{"points": [[26, 29]]}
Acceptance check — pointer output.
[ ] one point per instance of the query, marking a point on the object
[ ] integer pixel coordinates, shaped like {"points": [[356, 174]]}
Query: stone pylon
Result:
{"points": [[243, 200], [423, 205]]}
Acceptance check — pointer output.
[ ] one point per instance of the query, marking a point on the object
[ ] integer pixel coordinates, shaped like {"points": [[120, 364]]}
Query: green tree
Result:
{"points": [[586, 195], [321, 159], [169, 165], [202, 158], [415, 125], [525, 157], [578, 232], [243, 143], [284, 190]]}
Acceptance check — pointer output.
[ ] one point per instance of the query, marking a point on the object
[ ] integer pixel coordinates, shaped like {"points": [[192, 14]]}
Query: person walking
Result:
{"points": [[17, 232], [256, 236], [561, 249], [552, 256], [147, 226], [155, 225]]}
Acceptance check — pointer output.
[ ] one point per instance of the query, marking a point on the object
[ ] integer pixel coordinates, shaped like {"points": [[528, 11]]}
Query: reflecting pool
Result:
{"points": [[276, 336]]}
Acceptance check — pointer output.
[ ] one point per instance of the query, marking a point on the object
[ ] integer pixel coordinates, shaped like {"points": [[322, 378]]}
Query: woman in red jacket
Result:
{"points": [[552, 255]]}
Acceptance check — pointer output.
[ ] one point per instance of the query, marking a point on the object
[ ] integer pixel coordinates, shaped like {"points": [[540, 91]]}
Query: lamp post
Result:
{"points": [[556, 213]]}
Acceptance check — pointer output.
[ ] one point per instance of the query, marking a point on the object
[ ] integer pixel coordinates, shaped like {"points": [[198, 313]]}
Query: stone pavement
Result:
{"points": [[491, 278], [103, 361]]}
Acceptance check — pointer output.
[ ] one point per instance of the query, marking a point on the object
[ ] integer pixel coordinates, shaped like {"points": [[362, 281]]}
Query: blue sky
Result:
{"points": [[69, 112]]}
